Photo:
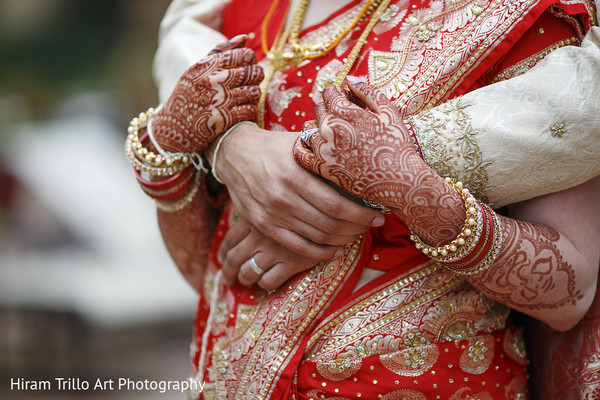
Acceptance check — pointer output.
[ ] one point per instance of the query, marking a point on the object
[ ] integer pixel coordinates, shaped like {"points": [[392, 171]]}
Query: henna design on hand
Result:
{"points": [[210, 97], [369, 153], [530, 271]]}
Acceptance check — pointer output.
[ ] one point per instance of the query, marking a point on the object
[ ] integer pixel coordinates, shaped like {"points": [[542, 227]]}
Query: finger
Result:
{"points": [[316, 140], [320, 113], [245, 95], [326, 230], [323, 120], [244, 112], [230, 258], [236, 233], [248, 274], [373, 98], [335, 99], [338, 207], [235, 58], [308, 125], [304, 247], [337, 104], [279, 273], [233, 43], [249, 75], [305, 157]]}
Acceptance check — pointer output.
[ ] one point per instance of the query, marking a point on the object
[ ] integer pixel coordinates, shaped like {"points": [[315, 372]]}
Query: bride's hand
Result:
{"points": [[210, 97], [367, 150], [283, 200], [243, 242], [363, 150]]}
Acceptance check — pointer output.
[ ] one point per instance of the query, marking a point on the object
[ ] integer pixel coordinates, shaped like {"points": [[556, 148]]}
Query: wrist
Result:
{"points": [[217, 150]]}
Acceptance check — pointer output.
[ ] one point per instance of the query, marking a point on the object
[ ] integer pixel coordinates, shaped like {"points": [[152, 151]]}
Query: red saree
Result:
{"points": [[418, 331]]}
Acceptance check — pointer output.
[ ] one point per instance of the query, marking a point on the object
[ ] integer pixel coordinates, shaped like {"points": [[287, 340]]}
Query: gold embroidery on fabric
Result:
{"points": [[411, 362], [589, 6], [519, 346], [477, 9], [449, 146], [321, 394], [517, 389], [478, 355], [361, 351], [469, 393], [483, 48], [268, 335], [389, 13], [340, 368], [414, 358], [477, 352], [404, 394], [426, 32], [382, 319], [514, 347], [208, 393], [558, 129], [462, 315], [414, 340], [245, 315], [525, 65]]}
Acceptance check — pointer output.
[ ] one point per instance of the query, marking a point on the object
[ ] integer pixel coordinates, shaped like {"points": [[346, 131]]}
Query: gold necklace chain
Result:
{"points": [[278, 58]]}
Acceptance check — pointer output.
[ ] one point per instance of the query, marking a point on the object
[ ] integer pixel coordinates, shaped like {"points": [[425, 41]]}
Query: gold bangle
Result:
{"points": [[181, 203], [147, 161], [492, 253], [465, 238]]}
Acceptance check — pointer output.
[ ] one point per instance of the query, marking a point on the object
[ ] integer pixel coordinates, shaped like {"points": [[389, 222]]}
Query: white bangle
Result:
{"points": [[214, 157]]}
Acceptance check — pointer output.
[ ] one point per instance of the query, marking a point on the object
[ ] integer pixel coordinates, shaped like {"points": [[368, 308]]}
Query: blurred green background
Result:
{"points": [[53, 48], [86, 287]]}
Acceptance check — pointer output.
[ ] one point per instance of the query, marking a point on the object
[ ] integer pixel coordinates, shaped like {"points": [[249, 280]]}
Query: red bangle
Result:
{"points": [[171, 192], [173, 195], [413, 135], [165, 183], [482, 247]]}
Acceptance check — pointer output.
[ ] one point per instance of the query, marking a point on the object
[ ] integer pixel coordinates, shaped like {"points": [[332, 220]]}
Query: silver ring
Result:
{"points": [[306, 135], [255, 266]]}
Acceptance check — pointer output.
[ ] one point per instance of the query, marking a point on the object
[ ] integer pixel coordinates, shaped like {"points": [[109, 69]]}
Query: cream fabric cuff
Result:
{"points": [[528, 136]]}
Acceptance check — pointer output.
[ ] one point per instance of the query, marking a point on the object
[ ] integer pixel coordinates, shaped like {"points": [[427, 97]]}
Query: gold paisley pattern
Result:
{"points": [[466, 393], [340, 368], [514, 347], [477, 356], [320, 394], [411, 362], [404, 394]]}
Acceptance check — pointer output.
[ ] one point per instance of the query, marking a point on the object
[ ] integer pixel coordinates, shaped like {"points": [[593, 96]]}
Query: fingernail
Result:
{"points": [[238, 38], [338, 254], [378, 221], [353, 79], [220, 258]]}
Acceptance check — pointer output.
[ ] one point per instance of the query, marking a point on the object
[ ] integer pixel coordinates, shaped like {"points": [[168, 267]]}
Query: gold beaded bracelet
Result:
{"points": [[465, 239], [184, 201], [147, 161]]}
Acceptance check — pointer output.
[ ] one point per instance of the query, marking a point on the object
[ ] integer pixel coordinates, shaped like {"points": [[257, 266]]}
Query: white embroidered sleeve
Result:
{"points": [[188, 31], [524, 137]]}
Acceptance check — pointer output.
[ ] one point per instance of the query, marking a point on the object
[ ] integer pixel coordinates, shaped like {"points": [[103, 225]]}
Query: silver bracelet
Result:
{"points": [[216, 152]]}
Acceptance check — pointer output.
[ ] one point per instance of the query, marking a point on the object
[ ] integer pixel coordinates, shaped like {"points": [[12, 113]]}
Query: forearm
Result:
{"points": [[540, 273], [188, 235]]}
